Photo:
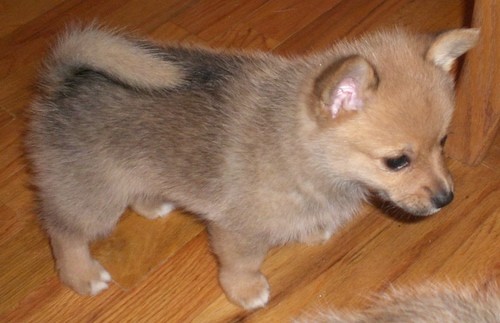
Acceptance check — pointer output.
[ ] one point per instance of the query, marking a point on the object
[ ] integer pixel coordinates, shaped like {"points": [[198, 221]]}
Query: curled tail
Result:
{"points": [[119, 57]]}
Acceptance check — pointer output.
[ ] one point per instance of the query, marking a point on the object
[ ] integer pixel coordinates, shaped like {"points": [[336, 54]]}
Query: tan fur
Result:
{"points": [[449, 45], [430, 303], [104, 51], [266, 149]]}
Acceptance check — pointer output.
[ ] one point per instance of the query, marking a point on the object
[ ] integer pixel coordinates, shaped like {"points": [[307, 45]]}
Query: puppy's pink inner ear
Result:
{"points": [[344, 86], [345, 96]]}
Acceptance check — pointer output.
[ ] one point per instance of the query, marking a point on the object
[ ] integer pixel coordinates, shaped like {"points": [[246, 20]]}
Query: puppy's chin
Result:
{"points": [[414, 210], [418, 211]]}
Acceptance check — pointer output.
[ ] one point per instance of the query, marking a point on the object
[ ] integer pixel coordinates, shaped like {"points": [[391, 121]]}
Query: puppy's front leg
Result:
{"points": [[240, 257]]}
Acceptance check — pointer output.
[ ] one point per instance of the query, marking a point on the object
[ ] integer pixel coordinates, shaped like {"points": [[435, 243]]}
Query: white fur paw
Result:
{"points": [[259, 301], [164, 210], [105, 276], [248, 290], [97, 286], [87, 279], [153, 212]]}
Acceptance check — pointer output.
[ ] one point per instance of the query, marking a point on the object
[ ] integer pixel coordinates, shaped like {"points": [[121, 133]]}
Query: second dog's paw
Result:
{"points": [[249, 290]]}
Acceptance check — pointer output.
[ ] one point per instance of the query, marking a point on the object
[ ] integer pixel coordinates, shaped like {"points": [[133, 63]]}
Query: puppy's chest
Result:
{"points": [[308, 210]]}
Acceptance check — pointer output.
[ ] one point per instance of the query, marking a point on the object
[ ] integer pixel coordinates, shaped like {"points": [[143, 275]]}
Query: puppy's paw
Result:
{"points": [[152, 213], [162, 211], [318, 237], [89, 279], [248, 290]]}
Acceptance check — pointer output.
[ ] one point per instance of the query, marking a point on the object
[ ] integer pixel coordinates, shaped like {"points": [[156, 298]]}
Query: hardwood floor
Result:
{"points": [[163, 269]]}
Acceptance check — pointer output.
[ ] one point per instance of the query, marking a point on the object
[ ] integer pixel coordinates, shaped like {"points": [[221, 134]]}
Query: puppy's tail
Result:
{"points": [[123, 59], [427, 303]]}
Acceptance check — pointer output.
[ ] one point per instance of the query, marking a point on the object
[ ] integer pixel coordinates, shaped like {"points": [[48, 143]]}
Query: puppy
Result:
{"points": [[265, 149]]}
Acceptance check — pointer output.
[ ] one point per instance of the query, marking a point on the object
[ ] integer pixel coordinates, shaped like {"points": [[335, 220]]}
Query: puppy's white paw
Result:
{"points": [[105, 276], [164, 210], [97, 286], [89, 279], [150, 212], [249, 290], [258, 301]]}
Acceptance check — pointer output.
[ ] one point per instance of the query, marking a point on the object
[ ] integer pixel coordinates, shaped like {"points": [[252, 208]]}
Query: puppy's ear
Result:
{"points": [[448, 46], [345, 86]]}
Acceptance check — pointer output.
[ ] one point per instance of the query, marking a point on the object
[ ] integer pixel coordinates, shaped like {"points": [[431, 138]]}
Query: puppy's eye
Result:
{"points": [[443, 141], [397, 163]]}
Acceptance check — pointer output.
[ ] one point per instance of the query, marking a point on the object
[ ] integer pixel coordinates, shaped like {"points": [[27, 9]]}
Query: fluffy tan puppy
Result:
{"points": [[265, 149]]}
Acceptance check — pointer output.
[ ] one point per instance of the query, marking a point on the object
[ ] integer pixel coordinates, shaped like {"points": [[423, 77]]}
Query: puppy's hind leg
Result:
{"points": [[71, 228], [240, 257], [76, 267]]}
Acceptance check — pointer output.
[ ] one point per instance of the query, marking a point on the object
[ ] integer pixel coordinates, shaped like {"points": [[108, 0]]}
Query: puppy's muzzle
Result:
{"points": [[442, 199]]}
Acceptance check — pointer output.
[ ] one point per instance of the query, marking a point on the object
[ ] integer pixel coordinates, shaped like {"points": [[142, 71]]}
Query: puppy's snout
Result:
{"points": [[442, 199]]}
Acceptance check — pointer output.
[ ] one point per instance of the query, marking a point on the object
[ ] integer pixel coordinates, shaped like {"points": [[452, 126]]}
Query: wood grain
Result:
{"points": [[164, 270]]}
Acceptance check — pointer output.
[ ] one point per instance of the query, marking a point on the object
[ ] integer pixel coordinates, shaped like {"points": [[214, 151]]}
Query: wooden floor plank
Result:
{"points": [[123, 252], [351, 18], [280, 19], [15, 14], [204, 14]]}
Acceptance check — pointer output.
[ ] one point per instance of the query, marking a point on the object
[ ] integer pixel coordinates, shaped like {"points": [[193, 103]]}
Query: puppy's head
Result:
{"points": [[383, 113]]}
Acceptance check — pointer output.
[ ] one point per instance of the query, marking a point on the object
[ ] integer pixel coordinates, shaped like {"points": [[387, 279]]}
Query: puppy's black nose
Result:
{"points": [[441, 199]]}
